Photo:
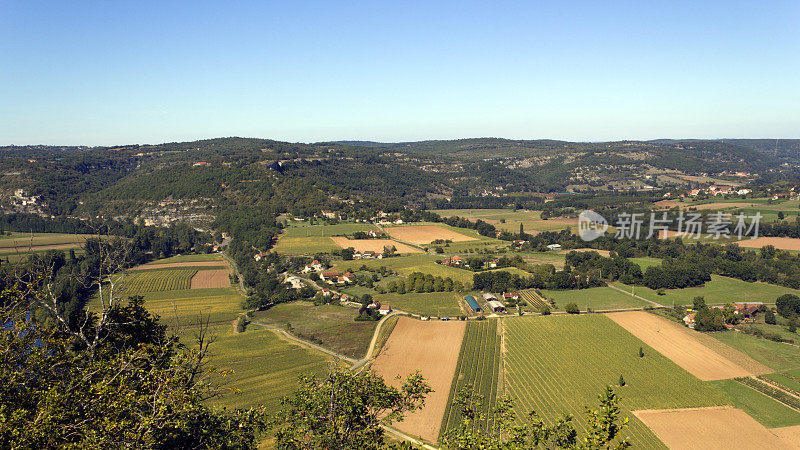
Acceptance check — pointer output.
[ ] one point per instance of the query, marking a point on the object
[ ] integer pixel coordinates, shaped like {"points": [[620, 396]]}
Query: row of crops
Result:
{"points": [[140, 282], [560, 364], [534, 299], [478, 366]]}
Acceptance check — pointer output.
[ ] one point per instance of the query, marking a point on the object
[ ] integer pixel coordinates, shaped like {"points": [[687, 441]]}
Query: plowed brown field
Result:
{"points": [[718, 427], [425, 234], [684, 347], [432, 348], [204, 279]]}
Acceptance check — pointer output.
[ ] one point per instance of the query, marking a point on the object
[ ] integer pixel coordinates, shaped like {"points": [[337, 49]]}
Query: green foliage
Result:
{"points": [[507, 431], [709, 319], [135, 389], [345, 410], [788, 305], [572, 308], [769, 317]]}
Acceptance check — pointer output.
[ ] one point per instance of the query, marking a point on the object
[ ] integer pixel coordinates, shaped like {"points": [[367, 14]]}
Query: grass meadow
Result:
{"points": [[719, 290], [760, 407], [331, 326], [597, 298], [431, 304]]}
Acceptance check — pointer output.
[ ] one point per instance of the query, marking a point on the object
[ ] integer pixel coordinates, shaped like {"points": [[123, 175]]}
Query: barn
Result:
{"points": [[473, 304], [489, 297], [496, 306]]}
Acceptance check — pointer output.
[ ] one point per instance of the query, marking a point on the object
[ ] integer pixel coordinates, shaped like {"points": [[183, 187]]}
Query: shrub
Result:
{"points": [[572, 308], [788, 305], [769, 317]]}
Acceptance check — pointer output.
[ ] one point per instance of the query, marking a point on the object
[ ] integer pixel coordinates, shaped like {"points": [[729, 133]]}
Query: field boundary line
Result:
{"points": [[636, 296], [305, 343]]}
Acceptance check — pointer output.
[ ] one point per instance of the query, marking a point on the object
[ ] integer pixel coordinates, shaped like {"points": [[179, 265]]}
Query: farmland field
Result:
{"points": [[711, 428], [598, 298], [140, 282], [210, 258], [430, 304], [760, 407], [205, 279], [431, 348], [551, 369], [644, 263], [288, 245], [341, 229], [425, 234], [777, 356], [330, 326], [43, 241], [478, 366], [383, 335], [465, 276], [783, 243], [718, 290], [533, 299], [687, 348], [265, 365], [375, 245]]}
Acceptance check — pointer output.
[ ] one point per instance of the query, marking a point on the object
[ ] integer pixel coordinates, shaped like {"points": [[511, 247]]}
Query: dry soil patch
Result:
{"points": [[782, 243], [682, 346], [704, 428], [425, 234], [375, 245], [432, 347], [205, 279]]}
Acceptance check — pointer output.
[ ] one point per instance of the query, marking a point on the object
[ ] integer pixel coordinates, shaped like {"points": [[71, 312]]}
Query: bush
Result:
{"points": [[544, 310], [769, 317], [572, 308]]}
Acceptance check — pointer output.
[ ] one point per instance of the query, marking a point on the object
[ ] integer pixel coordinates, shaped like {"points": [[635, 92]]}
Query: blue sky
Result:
{"points": [[146, 72]]}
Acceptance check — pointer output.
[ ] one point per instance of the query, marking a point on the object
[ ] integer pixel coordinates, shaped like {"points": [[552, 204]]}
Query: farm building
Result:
{"points": [[489, 297], [473, 304], [496, 306], [329, 275], [554, 247], [384, 309]]}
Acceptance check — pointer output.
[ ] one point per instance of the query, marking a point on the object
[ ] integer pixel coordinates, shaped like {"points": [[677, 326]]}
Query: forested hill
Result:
{"points": [[195, 180]]}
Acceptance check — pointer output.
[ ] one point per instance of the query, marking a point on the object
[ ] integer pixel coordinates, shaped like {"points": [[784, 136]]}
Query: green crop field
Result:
{"points": [[464, 276], [265, 366], [555, 259], [786, 380], [330, 326], [718, 290], [432, 304], [597, 298], [25, 240], [140, 282], [342, 229], [288, 245], [644, 263], [478, 366], [760, 407], [779, 357], [395, 263], [533, 299], [187, 258], [560, 364]]}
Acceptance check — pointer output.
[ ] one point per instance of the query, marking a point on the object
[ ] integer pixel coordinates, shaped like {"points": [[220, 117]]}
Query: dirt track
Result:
{"points": [[683, 347], [205, 279], [425, 234], [718, 427], [375, 245], [432, 348]]}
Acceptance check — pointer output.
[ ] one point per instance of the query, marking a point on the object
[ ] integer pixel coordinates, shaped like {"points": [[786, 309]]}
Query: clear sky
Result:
{"points": [[115, 72]]}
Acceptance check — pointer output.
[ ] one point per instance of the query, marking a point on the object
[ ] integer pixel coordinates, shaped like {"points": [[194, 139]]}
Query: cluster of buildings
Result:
{"points": [[20, 199], [369, 254], [716, 189], [747, 310], [453, 261], [334, 277]]}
